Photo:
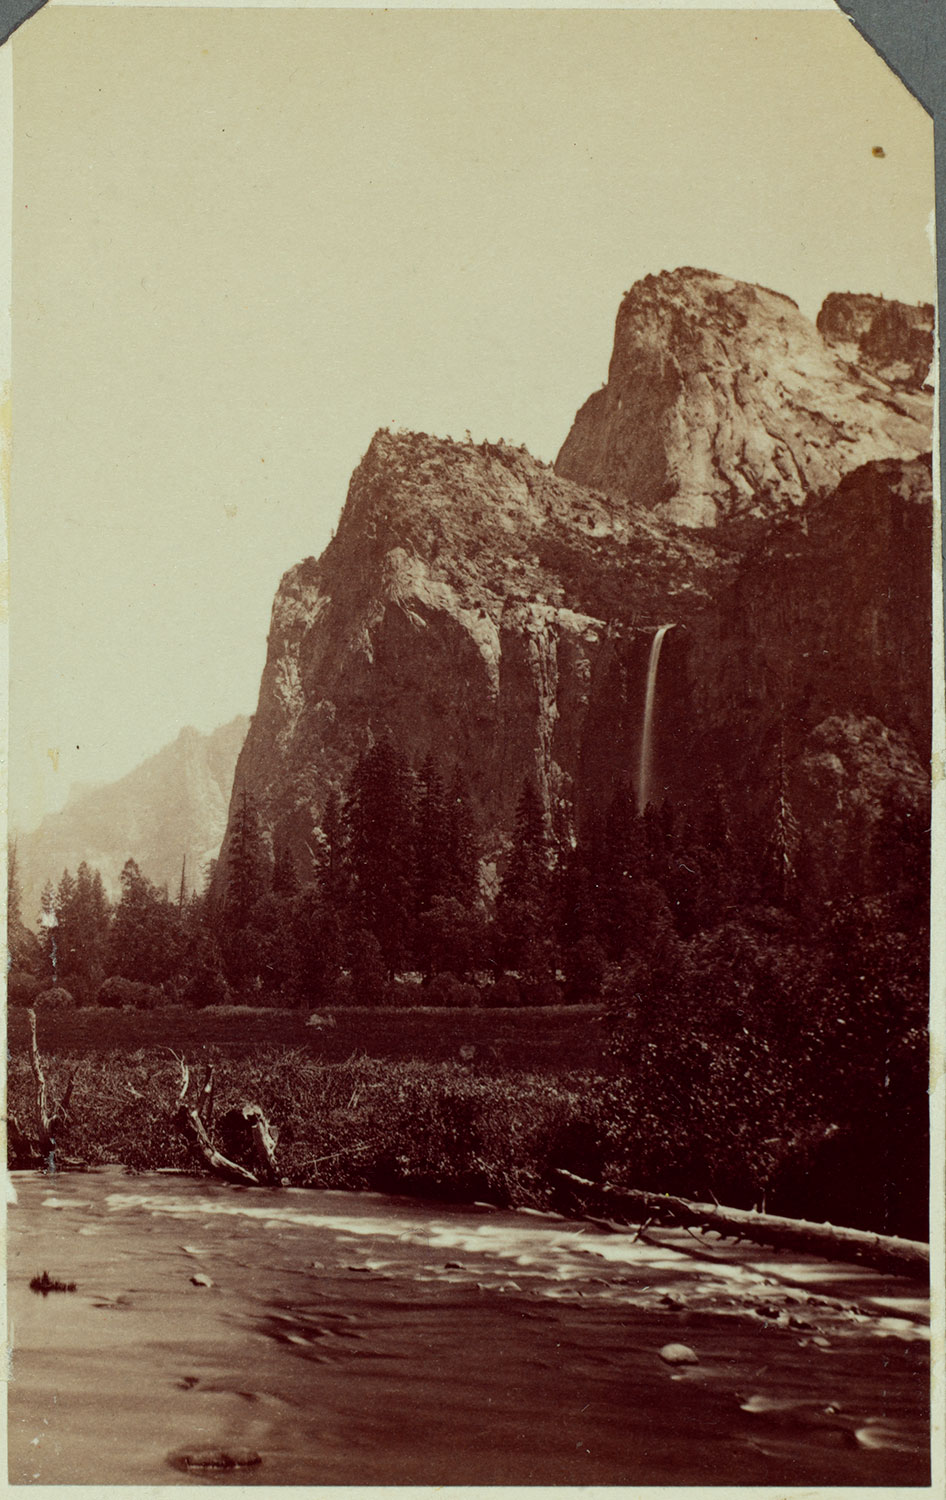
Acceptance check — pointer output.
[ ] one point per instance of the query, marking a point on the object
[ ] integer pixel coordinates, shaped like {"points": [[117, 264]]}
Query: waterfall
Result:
{"points": [[647, 733]]}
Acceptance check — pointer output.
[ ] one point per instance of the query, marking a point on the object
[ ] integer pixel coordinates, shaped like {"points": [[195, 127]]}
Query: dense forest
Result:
{"points": [[744, 1008]]}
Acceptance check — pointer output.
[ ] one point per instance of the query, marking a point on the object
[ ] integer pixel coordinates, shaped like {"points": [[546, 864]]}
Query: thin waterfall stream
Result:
{"points": [[645, 770]]}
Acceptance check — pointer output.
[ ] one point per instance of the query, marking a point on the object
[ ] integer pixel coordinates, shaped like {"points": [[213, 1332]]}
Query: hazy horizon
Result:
{"points": [[228, 276]]}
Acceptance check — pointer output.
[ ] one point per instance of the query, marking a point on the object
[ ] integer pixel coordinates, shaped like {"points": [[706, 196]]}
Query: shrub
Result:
{"points": [[55, 998], [119, 993], [447, 989], [22, 987], [505, 991]]}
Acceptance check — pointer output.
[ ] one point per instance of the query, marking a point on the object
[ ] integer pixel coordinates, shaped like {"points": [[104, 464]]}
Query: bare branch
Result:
{"points": [[206, 1100], [42, 1111], [63, 1110]]}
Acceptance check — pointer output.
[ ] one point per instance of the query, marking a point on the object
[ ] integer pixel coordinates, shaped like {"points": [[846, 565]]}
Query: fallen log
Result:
{"points": [[881, 1251], [193, 1120]]}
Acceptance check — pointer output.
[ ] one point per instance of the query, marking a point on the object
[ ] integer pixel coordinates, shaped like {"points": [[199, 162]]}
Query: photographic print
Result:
{"points": [[471, 547]]}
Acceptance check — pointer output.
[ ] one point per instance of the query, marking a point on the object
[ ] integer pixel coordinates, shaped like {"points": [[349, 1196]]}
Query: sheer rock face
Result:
{"points": [[827, 618], [474, 605], [725, 406], [170, 809], [481, 606]]}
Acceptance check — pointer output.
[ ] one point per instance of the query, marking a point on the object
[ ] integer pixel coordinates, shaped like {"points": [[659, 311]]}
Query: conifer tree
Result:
{"points": [[245, 864], [334, 872], [461, 880], [285, 880], [431, 854], [523, 908], [47, 923], [379, 816], [146, 938], [24, 946]]}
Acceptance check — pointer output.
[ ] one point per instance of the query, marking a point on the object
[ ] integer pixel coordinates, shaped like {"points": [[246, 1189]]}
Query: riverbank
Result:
{"points": [[464, 1130], [332, 1338]]}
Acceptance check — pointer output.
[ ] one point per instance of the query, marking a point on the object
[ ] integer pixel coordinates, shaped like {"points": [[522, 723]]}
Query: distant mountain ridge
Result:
{"points": [[170, 809]]}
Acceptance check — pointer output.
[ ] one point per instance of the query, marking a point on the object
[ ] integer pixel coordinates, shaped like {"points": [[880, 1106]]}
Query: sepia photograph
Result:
{"points": [[472, 523]]}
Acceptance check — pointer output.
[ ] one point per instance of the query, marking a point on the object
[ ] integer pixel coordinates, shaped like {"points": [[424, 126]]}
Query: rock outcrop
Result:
{"points": [[737, 478], [725, 406], [892, 340], [171, 808]]}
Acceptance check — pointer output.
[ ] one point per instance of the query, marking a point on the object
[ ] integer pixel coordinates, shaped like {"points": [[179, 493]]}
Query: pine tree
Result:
{"points": [[619, 860], [316, 947], [523, 908], [84, 915], [24, 947], [379, 816], [48, 922], [146, 939], [14, 892], [431, 854], [784, 839], [246, 865], [331, 856], [285, 880], [461, 878], [68, 933]]}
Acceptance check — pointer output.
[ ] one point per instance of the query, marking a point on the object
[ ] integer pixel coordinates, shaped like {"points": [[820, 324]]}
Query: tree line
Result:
{"points": [[765, 1014], [390, 904]]}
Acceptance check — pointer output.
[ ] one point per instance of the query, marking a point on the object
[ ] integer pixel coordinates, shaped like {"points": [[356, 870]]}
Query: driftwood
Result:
{"points": [[883, 1252], [39, 1150], [246, 1131]]}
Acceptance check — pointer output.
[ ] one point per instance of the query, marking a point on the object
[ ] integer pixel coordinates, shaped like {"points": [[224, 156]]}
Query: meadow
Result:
{"points": [[539, 1039]]}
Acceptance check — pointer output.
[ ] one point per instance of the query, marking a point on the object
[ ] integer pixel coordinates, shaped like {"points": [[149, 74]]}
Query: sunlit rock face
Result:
{"points": [[476, 606], [736, 478], [725, 406]]}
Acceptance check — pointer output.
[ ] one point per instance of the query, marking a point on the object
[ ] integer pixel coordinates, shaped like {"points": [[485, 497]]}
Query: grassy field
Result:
{"points": [[547, 1040]]}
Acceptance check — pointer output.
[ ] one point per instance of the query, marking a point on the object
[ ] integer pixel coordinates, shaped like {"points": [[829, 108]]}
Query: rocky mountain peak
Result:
{"points": [[725, 405]]}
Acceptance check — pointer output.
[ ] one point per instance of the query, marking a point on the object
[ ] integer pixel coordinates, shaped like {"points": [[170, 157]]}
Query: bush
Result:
{"points": [[505, 991], [447, 989], [55, 998], [22, 988], [121, 993]]}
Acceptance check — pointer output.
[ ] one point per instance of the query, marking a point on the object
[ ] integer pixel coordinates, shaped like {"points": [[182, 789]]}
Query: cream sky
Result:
{"points": [[244, 240]]}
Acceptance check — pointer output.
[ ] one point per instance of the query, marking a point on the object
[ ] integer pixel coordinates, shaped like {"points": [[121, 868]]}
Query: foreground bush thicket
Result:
{"points": [[444, 1130]]}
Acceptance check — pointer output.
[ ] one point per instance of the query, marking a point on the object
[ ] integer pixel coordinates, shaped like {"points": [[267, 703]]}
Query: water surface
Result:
{"points": [[357, 1339]]}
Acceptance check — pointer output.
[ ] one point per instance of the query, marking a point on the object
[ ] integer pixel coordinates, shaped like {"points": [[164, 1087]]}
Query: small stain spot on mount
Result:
{"points": [[878, 151]]}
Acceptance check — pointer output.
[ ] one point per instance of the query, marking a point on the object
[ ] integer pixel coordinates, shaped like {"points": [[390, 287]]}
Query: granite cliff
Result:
{"points": [[739, 477], [475, 604], [725, 406]]}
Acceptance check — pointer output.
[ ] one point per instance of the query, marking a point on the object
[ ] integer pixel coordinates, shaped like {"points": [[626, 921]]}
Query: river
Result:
{"points": [[356, 1339]]}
